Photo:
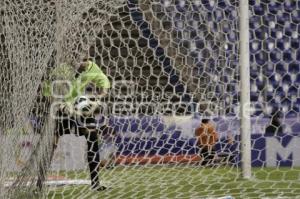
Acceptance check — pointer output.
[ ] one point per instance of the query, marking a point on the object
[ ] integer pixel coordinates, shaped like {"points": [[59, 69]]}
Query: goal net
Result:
{"points": [[174, 103]]}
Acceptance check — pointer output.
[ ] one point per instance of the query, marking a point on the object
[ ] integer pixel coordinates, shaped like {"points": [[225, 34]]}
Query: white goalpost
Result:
{"points": [[245, 90]]}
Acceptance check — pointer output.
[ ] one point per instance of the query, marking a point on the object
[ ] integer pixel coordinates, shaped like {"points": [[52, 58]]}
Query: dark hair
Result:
{"points": [[205, 121], [85, 59]]}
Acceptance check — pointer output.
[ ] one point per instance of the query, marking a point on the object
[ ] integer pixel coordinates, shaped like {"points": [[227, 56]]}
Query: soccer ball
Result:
{"points": [[85, 106]]}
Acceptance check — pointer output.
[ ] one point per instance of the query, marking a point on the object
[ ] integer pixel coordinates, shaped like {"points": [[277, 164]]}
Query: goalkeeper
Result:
{"points": [[89, 81]]}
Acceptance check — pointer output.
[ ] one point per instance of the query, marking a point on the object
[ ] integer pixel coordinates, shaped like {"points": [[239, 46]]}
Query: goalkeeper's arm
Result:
{"points": [[90, 73]]}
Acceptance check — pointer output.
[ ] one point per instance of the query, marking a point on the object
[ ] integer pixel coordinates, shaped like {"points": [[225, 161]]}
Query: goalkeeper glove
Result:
{"points": [[66, 108]]}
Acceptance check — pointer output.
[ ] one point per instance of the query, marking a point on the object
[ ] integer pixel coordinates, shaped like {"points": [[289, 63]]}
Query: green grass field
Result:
{"points": [[185, 182]]}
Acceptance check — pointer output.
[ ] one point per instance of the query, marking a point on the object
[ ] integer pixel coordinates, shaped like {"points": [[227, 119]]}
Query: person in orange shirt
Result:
{"points": [[207, 137]]}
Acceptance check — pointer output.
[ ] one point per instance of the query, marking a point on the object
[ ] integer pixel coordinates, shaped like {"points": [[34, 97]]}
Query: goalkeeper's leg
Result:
{"points": [[87, 127], [43, 166], [93, 158], [63, 125]]}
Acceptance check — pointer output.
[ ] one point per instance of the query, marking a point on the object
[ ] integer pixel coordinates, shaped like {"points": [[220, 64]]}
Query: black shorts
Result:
{"points": [[65, 124], [207, 154]]}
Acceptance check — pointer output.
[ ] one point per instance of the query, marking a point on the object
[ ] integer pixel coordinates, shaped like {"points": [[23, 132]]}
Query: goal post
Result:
{"points": [[245, 89]]}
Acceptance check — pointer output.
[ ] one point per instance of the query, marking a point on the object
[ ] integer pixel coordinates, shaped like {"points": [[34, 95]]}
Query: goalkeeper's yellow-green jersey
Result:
{"points": [[93, 75]]}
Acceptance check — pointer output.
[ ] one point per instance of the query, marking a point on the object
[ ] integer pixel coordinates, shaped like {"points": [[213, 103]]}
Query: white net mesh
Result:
{"points": [[171, 64]]}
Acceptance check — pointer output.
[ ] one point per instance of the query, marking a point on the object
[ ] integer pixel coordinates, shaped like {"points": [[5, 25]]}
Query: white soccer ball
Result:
{"points": [[85, 106]]}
